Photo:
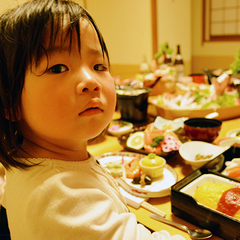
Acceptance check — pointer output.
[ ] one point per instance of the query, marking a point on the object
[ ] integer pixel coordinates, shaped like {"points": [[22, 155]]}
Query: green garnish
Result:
{"points": [[152, 155], [156, 141], [235, 66]]}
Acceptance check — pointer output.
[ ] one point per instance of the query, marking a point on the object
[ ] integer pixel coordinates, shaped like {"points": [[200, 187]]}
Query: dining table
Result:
{"points": [[110, 143]]}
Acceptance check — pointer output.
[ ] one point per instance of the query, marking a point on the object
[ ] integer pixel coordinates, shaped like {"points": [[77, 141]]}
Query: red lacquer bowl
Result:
{"points": [[202, 129]]}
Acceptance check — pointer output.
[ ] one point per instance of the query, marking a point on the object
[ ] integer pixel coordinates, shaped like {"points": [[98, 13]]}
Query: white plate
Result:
{"points": [[233, 133], [162, 123], [228, 142], [159, 187]]}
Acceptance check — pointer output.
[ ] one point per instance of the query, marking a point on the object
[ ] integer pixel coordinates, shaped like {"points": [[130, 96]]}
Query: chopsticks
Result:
{"points": [[123, 168], [153, 209], [136, 202]]}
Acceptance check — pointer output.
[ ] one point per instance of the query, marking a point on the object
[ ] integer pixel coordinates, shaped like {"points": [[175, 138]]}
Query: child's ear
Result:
{"points": [[9, 115]]}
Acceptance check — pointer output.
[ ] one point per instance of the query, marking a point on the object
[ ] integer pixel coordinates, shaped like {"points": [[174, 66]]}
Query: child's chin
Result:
{"points": [[98, 138]]}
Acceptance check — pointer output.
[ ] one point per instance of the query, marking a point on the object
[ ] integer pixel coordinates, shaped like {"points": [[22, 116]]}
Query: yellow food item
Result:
{"points": [[152, 160], [136, 140], [210, 194]]}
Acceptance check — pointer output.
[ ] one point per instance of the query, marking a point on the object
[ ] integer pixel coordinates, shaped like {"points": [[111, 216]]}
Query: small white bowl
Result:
{"points": [[189, 150], [119, 127], [152, 170]]}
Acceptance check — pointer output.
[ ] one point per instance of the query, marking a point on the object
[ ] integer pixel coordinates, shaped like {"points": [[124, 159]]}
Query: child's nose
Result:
{"points": [[87, 82]]}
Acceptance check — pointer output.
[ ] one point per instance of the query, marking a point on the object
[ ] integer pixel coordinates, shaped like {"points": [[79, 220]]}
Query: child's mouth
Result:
{"points": [[91, 111]]}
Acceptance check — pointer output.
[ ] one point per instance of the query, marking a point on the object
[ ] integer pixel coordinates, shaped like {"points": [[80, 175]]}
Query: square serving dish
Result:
{"points": [[224, 113], [184, 206]]}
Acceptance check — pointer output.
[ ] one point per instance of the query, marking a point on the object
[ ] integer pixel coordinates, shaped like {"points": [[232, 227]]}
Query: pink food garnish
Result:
{"points": [[114, 127]]}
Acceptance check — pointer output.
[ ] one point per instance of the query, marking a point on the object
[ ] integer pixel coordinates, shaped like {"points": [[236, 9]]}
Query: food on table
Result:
{"points": [[114, 168], [234, 172], [157, 141], [143, 180], [128, 91], [133, 168], [136, 140], [238, 134], [167, 126], [154, 140], [152, 160], [202, 157], [136, 172], [221, 83], [221, 197], [149, 78], [198, 96], [118, 127], [114, 127], [139, 81], [233, 168], [153, 165], [170, 142], [133, 171]]}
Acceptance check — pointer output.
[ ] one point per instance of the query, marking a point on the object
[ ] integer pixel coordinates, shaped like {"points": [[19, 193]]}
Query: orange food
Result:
{"points": [[229, 202], [219, 196], [234, 171], [157, 141], [149, 134], [133, 168]]}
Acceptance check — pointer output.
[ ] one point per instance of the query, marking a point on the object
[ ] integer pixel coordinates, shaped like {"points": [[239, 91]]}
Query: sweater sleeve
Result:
{"points": [[59, 209]]}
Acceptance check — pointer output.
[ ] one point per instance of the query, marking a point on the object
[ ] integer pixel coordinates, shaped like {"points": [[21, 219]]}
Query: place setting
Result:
{"points": [[177, 141]]}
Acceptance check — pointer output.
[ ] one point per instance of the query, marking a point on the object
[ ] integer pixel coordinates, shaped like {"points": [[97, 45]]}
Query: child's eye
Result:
{"points": [[100, 67], [59, 68]]}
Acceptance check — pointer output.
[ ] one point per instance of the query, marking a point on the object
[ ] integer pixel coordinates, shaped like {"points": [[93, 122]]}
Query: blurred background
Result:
{"points": [[134, 30]]}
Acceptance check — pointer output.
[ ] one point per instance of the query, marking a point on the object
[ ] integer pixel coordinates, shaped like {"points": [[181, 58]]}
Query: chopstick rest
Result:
{"points": [[137, 202]]}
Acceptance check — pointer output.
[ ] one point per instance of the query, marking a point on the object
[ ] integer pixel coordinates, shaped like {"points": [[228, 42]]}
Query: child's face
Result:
{"points": [[74, 100]]}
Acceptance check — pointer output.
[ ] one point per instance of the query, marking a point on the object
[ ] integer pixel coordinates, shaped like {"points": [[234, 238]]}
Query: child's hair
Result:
{"points": [[22, 31]]}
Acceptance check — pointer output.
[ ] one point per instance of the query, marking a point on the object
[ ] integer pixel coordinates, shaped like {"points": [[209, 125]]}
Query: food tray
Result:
{"points": [[224, 112], [185, 207]]}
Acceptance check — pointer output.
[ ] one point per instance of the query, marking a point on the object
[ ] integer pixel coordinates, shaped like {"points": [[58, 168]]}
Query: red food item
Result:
{"points": [[133, 168], [149, 134], [170, 143], [229, 202]]}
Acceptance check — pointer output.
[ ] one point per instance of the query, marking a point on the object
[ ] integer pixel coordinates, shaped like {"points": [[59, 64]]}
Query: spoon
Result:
{"points": [[195, 234]]}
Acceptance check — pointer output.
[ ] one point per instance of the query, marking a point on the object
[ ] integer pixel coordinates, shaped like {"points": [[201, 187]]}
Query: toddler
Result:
{"points": [[56, 93]]}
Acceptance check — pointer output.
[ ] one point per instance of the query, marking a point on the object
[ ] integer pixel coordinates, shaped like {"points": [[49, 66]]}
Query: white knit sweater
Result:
{"points": [[69, 200]]}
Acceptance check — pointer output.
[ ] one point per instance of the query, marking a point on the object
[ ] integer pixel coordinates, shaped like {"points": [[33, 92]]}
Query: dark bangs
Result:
{"points": [[50, 22], [22, 33]]}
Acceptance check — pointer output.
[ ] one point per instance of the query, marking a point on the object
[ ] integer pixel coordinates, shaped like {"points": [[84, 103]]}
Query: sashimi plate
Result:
{"points": [[224, 113], [159, 187], [123, 141]]}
